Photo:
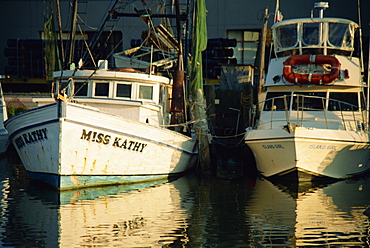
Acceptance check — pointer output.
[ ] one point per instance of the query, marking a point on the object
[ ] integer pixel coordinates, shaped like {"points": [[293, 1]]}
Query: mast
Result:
{"points": [[177, 104], [59, 19], [69, 58], [262, 44]]}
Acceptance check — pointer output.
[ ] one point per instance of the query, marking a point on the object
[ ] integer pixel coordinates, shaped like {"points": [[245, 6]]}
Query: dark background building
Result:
{"points": [[241, 20]]}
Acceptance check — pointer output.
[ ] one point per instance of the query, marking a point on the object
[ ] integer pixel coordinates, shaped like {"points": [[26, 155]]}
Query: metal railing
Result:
{"points": [[306, 110]]}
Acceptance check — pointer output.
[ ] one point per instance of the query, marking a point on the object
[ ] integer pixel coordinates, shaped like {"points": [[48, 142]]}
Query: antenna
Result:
{"points": [[321, 6]]}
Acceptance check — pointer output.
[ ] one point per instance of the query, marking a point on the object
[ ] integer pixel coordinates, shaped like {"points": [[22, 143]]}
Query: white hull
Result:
{"points": [[314, 118], [70, 145], [328, 153]]}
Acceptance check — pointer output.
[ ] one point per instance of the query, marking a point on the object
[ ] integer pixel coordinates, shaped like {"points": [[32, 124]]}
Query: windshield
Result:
{"points": [[327, 35], [287, 36], [311, 101]]}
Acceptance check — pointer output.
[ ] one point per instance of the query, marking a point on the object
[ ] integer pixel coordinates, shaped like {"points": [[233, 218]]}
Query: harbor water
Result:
{"points": [[245, 211]]}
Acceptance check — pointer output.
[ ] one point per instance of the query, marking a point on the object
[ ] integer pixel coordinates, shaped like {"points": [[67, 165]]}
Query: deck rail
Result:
{"points": [[311, 111]]}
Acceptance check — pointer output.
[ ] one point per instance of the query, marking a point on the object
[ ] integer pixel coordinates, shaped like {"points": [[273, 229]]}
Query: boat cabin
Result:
{"points": [[133, 95], [326, 36], [315, 51]]}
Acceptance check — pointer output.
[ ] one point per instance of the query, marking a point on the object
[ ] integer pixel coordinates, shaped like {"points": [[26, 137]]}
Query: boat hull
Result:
{"points": [[335, 154], [70, 145]]}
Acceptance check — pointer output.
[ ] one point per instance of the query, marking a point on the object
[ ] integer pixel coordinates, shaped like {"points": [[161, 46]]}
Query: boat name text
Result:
{"points": [[276, 146], [31, 137], [105, 139], [322, 147]]}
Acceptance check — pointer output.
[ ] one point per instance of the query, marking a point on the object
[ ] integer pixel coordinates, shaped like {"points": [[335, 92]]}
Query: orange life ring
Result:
{"points": [[292, 77]]}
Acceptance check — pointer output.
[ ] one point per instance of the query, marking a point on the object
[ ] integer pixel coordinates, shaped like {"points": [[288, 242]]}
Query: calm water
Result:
{"points": [[187, 212]]}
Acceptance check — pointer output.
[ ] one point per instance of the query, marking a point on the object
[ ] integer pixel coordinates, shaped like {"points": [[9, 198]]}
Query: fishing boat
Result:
{"points": [[112, 131], [313, 122], [105, 126]]}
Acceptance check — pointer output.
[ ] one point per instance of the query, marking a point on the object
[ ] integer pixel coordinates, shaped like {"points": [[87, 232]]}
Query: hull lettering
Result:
{"points": [[31, 137], [117, 142]]}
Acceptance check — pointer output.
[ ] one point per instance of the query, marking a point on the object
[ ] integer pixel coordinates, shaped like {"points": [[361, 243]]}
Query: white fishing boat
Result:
{"points": [[112, 131], [314, 119], [106, 125]]}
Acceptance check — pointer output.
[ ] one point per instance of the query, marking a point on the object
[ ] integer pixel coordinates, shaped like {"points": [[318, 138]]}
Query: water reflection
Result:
{"points": [[187, 212], [321, 215], [149, 215]]}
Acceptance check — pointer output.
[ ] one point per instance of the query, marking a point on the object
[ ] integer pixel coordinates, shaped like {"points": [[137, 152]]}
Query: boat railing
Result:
{"points": [[311, 111]]}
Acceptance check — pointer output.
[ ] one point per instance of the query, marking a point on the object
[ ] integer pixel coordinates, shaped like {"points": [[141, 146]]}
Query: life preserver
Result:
{"points": [[292, 77]]}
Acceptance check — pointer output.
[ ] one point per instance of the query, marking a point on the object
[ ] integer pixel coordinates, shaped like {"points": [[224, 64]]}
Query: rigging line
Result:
{"points": [[84, 22], [121, 41], [87, 46], [157, 40], [68, 15], [84, 83]]}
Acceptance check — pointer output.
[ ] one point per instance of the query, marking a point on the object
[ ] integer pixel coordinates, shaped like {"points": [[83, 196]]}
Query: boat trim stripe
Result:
{"points": [[294, 138]]}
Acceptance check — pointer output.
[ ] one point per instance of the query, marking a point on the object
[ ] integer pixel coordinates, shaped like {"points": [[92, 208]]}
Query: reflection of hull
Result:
{"points": [[310, 217], [141, 216], [319, 153]]}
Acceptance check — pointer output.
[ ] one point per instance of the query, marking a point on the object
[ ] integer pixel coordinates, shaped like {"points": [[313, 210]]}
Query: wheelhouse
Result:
{"points": [[325, 36], [124, 90]]}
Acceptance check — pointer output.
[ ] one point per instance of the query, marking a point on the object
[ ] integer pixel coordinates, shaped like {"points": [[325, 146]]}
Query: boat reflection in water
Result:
{"points": [[292, 215], [140, 215]]}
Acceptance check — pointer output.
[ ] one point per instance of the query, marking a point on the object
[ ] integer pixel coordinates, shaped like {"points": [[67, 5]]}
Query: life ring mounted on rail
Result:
{"points": [[310, 78]]}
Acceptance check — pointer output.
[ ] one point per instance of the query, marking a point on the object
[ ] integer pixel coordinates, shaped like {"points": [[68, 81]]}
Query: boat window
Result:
{"points": [[275, 101], [311, 33], [123, 90], [309, 101], [343, 101], [339, 35], [101, 89], [287, 36], [80, 88], [145, 92]]}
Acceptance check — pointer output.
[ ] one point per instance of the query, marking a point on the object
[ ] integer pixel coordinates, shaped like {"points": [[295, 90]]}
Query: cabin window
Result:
{"points": [[146, 92], [80, 89], [309, 101], [339, 35], [275, 101], [343, 101], [287, 36], [312, 33], [123, 90], [102, 89]]}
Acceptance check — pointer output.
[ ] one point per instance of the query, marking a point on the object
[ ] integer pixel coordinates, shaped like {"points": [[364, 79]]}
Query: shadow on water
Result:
{"points": [[231, 158]]}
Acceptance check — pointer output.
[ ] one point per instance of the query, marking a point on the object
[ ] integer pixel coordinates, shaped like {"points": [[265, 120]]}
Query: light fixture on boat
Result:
{"points": [[321, 6], [276, 79]]}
